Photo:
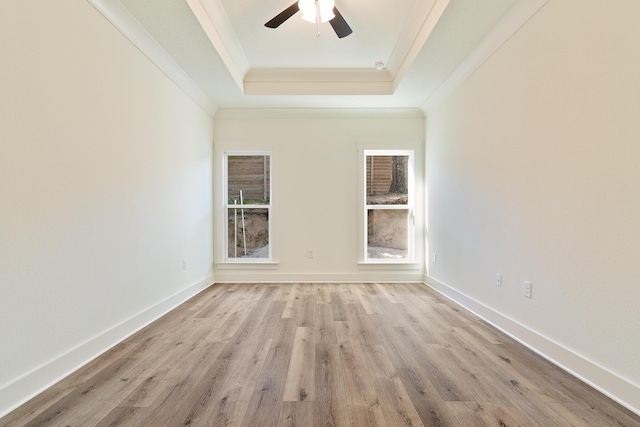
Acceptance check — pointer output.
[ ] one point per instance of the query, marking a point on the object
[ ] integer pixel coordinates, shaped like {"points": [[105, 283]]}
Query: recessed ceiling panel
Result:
{"points": [[390, 37], [224, 49], [376, 24]]}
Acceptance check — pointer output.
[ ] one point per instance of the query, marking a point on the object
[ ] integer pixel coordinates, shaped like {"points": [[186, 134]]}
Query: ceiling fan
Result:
{"points": [[314, 11]]}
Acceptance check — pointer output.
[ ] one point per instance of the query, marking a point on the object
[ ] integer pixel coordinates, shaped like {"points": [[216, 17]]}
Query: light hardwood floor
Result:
{"points": [[366, 355]]}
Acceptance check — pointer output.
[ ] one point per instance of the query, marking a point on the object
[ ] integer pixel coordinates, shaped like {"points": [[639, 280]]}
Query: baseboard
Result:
{"points": [[32, 383], [225, 276], [617, 388]]}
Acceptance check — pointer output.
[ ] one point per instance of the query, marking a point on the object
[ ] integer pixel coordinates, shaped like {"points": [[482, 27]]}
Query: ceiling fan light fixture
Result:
{"points": [[310, 9], [326, 10]]}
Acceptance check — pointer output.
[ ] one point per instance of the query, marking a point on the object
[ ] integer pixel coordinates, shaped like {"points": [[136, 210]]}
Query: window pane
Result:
{"points": [[248, 231], [251, 176], [387, 180], [387, 233]]}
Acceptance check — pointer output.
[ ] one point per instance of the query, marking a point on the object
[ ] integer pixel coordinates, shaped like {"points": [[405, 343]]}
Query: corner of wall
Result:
{"points": [[24, 388], [603, 380]]}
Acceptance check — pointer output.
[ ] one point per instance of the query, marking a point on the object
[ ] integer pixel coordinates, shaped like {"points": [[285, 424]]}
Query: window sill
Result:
{"points": [[388, 265], [247, 265]]}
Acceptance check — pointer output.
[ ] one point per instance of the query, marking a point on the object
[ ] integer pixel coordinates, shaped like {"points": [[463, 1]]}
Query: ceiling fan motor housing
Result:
{"points": [[311, 9]]}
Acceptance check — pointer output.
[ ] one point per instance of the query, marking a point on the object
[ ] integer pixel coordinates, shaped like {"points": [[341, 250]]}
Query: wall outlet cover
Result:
{"points": [[527, 289]]}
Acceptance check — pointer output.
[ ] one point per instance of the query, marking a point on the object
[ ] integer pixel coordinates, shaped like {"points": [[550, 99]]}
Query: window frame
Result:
{"points": [[227, 207], [409, 207]]}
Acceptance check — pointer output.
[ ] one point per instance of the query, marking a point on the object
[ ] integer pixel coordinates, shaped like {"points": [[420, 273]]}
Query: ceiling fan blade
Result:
{"points": [[283, 16], [339, 25]]}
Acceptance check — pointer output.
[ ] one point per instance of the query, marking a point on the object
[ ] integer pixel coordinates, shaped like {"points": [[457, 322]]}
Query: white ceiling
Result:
{"points": [[221, 53], [296, 39]]}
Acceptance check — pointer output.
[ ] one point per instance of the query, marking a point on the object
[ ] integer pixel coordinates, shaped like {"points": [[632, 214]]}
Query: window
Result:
{"points": [[388, 212], [247, 206]]}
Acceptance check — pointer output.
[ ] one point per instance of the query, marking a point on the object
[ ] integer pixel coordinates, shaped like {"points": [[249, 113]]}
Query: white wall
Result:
{"points": [[316, 183], [533, 171], [105, 186]]}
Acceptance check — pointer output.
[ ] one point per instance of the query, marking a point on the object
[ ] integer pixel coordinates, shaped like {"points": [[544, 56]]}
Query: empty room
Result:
{"points": [[319, 213]]}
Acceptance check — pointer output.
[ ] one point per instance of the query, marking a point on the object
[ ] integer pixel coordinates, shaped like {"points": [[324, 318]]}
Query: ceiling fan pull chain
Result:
{"points": [[318, 11], [318, 18]]}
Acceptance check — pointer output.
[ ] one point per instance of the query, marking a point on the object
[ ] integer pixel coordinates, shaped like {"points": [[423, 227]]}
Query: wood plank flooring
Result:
{"points": [[261, 355]]}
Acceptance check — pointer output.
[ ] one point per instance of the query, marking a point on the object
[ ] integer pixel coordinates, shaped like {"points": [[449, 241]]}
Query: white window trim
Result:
{"points": [[363, 209], [246, 262]]}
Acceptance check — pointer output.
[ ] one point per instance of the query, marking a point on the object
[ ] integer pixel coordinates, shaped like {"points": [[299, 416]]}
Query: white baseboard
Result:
{"points": [[225, 276], [617, 388], [27, 386]]}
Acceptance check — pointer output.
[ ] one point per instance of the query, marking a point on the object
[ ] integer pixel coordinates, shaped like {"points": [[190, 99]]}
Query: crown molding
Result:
{"points": [[317, 82], [124, 22], [414, 36], [216, 24], [277, 81], [318, 113], [509, 25]]}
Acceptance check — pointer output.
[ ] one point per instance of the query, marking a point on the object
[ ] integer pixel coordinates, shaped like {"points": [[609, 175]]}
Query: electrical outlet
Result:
{"points": [[184, 265], [435, 258], [527, 289], [310, 253], [498, 279]]}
